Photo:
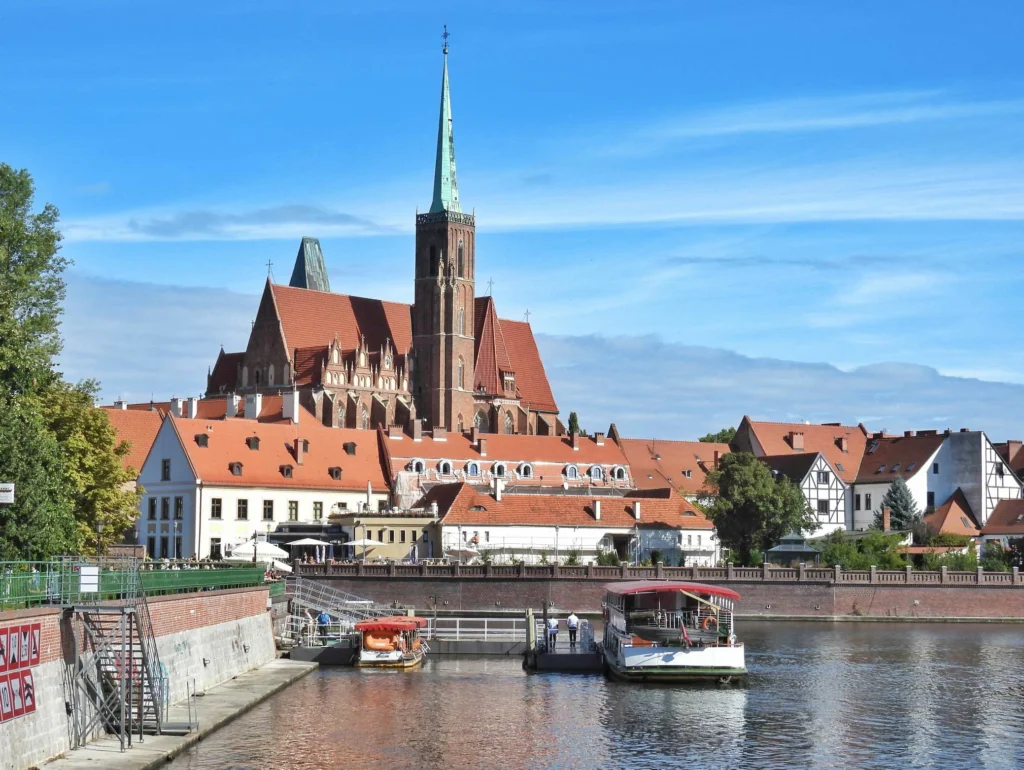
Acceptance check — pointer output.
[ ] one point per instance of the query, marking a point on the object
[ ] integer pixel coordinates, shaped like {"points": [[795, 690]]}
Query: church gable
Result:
{"points": [[492, 364]]}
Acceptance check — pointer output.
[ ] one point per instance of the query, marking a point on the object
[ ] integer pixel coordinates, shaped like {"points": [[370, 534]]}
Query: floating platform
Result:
{"points": [[573, 660]]}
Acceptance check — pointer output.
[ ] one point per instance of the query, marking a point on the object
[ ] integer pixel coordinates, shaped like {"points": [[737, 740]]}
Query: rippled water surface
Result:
{"points": [[866, 695]]}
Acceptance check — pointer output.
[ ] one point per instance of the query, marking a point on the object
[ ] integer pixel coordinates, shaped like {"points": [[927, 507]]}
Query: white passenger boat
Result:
{"points": [[661, 631], [392, 642]]}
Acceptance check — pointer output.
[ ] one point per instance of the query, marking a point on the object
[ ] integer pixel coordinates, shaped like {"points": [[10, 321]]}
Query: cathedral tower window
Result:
{"points": [[462, 269], [270, 375], [334, 356], [245, 376], [256, 378], [462, 320], [480, 421], [509, 427], [364, 420], [462, 376]]}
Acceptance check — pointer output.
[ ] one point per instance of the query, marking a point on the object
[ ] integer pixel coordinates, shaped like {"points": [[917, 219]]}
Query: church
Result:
{"points": [[446, 361]]}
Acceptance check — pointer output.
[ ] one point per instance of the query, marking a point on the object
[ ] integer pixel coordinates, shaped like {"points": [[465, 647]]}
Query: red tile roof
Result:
{"points": [[531, 379], [953, 517], [308, 365], [1013, 453], [138, 428], [891, 456], [224, 377], [656, 464], [491, 354], [1006, 519], [216, 408], [509, 448], [774, 438], [469, 506], [226, 444]]}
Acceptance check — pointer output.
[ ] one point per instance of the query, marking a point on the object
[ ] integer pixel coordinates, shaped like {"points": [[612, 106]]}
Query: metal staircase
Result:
{"points": [[315, 596]]}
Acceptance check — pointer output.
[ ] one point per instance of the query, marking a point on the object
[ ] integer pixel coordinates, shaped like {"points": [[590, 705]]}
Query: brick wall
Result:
{"points": [[757, 598]]}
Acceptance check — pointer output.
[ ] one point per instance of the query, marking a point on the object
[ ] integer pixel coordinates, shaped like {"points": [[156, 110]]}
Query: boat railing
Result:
{"points": [[475, 629], [304, 632]]}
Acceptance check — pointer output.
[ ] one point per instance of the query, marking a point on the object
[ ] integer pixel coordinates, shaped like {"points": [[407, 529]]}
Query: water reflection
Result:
{"points": [[857, 695]]}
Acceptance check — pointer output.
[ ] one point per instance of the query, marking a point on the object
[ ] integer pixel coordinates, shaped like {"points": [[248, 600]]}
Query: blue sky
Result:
{"points": [[681, 193]]}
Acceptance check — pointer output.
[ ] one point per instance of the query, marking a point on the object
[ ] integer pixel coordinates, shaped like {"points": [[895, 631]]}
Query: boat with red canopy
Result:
{"points": [[663, 630], [390, 642]]}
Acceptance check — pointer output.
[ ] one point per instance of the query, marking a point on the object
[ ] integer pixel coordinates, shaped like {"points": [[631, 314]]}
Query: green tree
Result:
{"points": [[903, 512], [752, 510], [724, 436], [574, 424], [876, 549]]}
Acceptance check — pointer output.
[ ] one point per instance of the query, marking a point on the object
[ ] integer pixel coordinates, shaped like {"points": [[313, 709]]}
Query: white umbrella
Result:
{"points": [[309, 541], [264, 551], [280, 566], [365, 543], [464, 552]]}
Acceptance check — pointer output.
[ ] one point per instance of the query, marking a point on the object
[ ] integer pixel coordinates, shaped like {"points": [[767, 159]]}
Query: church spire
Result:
{"points": [[446, 191]]}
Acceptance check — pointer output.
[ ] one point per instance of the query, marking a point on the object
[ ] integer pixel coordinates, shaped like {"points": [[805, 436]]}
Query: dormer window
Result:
{"points": [[418, 466], [335, 472], [202, 440], [236, 469], [444, 468], [526, 470], [286, 471], [253, 442], [572, 472], [498, 469], [619, 473], [472, 469], [597, 473]]}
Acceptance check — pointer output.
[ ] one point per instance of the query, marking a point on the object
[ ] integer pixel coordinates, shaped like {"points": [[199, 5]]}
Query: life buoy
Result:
{"points": [[709, 621]]}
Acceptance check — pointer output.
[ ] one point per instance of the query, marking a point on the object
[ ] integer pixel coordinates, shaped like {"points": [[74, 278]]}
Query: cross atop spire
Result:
{"points": [[446, 190]]}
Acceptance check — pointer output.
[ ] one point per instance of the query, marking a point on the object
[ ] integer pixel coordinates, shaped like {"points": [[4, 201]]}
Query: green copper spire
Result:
{"points": [[446, 190]]}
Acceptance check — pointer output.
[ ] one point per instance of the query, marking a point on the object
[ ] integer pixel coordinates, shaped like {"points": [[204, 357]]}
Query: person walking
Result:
{"points": [[574, 623], [552, 633], [323, 620]]}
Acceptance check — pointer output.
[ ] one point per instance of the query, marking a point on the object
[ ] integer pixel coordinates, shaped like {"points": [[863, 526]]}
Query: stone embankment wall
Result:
{"points": [[207, 637], [771, 593]]}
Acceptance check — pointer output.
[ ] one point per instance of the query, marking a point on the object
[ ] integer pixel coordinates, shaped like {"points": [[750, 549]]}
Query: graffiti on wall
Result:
{"points": [[19, 651]]}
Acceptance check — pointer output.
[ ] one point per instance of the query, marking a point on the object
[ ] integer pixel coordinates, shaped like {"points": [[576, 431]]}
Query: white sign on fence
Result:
{"points": [[6, 493], [89, 580]]}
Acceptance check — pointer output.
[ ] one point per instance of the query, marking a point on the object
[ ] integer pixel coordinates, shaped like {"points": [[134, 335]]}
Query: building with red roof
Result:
{"points": [[138, 428]]}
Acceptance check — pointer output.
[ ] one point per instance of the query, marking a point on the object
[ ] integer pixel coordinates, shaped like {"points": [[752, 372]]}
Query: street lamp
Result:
{"points": [[99, 537]]}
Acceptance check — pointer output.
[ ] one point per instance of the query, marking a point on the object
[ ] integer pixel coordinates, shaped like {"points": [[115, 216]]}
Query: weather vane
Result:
{"points": [[445, 36]]}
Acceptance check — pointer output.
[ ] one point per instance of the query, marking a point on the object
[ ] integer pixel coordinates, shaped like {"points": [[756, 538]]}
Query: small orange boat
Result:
{"points": [[391, 642]]}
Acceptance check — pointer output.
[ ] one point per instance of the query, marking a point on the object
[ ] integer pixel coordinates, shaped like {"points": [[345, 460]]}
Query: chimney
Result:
{"points": [[439, 433], [119, 404], [886, 518], [290, 406], [599, 439], [965, 430], [369, 496], [474, 434], [176, 407], [417, 430], [715, 465], [499, 484], [395, 432], [483, 446], [574, 440], [908, 434], [947, 432], [844, 444], [597, 510], [192, 407], [1012, 447], [433, 509], [300, 449], [796, 440], [231, 409], [253, 405], [636, 510]]}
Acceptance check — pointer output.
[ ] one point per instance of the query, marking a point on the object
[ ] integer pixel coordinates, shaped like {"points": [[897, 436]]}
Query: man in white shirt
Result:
{"points": [[552, 633], [573, 622]]}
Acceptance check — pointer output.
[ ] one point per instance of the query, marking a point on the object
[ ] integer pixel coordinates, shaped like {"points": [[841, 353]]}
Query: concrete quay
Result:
{"points": [[219, 706]]}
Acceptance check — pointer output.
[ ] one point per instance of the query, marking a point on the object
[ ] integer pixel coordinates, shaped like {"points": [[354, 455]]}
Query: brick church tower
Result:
{"points": [[442, 313]]}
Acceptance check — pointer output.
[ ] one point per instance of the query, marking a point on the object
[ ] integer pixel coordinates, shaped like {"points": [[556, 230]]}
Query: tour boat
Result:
{"points": [[666, 631], [391, 642]]}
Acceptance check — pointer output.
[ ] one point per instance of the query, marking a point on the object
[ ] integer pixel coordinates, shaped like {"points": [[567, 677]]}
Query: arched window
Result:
{"points": [[245, 376], [596, 472], [462, 320], [270, 375], [462, 273], [498, 469], [526, 470], [417, 466], [334, 356], [480, 421], [572, 472], [444, 468], [459, 426], [619, 473], [472, 469], [256, 378], [365, 419], [508, 422], [462, 375]]}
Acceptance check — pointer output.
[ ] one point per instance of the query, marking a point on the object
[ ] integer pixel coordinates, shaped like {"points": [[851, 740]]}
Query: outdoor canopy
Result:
{"points": [[666, 586], [310, 541], [393, 623], [264, 551], [364, 543]]}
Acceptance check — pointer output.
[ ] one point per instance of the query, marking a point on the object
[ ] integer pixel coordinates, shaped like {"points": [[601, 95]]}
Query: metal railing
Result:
{"points": [[475, 629], [316, 595]]}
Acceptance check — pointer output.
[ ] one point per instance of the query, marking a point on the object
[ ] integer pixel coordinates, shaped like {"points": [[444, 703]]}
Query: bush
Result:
{"points": [[949, 539], [874, 549], [994, 558], [608, 559], [655, 556], [572, 558]]}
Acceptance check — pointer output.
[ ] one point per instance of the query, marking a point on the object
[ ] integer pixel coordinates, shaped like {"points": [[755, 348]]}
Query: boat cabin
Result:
{"points": [[671, 613]]}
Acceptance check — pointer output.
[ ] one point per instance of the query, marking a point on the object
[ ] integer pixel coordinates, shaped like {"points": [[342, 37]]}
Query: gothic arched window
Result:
{"points": [[256, 378], [459, 426], [462, 273], [480, 421], [462, 375], [270, 375], [508, 422], [462, 320], [365, 419], [245, 376]]}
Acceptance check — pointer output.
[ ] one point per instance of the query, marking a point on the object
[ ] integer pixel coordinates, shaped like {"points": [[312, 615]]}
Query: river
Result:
{"points": [[819, 695]]}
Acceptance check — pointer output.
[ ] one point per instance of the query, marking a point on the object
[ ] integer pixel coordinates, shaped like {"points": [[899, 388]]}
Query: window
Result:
{"points": [[460, 425], [472, 469], [365, 419], [480, 421], [270, 375], [462, 373], [824, 477], [508, 423], [840, 468], [687, 473], [391, 535], [619, 473], [165, 470], [242, 510], [880, 469], [401, 535], [856, 502], [163, 547], [931, 499], [268, 510], [152, 508], [572, 472], [526, 471], [293, 510], [823, 507], [236, 469], [867, 502], [179, 507], [380, 535], [911, 467], [151, 547], [286, 471], [215, 508], [689, 539], [461, 251], [596, 472], [335, 472], [382, 505], [999, 470], [444, 468], [935, 468], [896, 467], [462, 322], [177, 547], [215, 548], [498, 469], [698, 541], [165, 508], [341, 506], [318, 511]]}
